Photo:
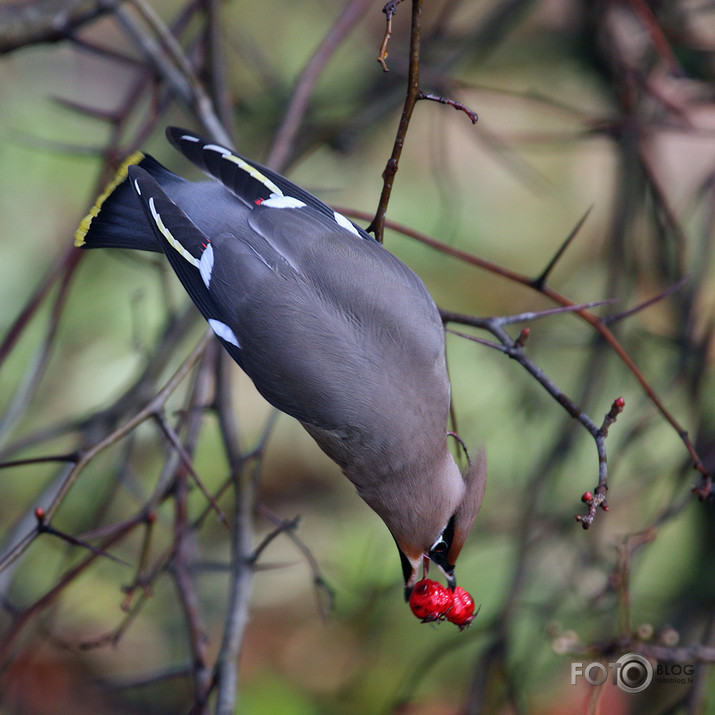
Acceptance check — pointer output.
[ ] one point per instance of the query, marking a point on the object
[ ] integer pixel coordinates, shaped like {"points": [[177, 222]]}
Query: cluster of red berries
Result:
{"points": [[431, 601]]}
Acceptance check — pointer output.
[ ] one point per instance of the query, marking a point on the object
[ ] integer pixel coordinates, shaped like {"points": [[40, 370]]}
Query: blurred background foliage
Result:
{"points": [[581, 104]]}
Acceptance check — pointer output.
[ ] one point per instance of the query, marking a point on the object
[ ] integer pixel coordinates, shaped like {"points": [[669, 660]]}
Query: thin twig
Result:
{"points": [[615, 318], [324, 593], [285, 525], [377, 225], [172, 64], [473, 118], [390, 10], [284, 140], [44, 527], [88, 454], [185, 458], [63, 582], [540, 280]]}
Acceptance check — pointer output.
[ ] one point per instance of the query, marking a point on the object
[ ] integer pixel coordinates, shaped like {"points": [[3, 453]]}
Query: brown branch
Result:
{"points": [[540, 280], [63, 582], [171, 63], [611, 319], [473, 118], [36, 369], [377, 225], [390, 11], [115, 635], [413, 94], [657, 36], [285, 525], [44, 527], [217, 70], [61, 268], [185, 458], [324, 593], [38, 21], [303, 88], [514, 348], [141, 579], [87, 454]]}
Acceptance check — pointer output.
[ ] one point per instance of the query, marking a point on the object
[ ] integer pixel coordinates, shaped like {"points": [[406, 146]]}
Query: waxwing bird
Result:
{"points": [[331, 327]]}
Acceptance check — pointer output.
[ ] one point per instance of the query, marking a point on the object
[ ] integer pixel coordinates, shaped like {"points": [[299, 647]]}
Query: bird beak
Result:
{"points": [[409, 572], [451, 579], [440, 559]]}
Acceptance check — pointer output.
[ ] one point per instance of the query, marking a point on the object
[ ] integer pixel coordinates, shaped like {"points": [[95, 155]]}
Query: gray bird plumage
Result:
{"points": [[331, 327]]}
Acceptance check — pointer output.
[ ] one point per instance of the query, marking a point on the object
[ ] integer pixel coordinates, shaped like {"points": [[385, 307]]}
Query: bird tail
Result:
{"points": [[117, 219]]}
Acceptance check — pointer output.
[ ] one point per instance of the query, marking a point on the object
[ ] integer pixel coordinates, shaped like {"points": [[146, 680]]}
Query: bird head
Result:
{"points": [[439, 520]]}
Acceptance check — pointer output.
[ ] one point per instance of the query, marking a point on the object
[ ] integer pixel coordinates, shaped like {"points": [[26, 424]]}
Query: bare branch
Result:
{"points": [[473, 118], [38, 21], [323, 591], [611, 319], [64, 581], [172, 64], [298, 105], [540, 280], [86, 455], [377, 225], [188, 465], [390, 10], [44, 527]]}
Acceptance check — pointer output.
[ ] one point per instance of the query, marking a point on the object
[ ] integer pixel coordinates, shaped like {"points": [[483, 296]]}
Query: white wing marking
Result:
{"points": [[224, 332]]}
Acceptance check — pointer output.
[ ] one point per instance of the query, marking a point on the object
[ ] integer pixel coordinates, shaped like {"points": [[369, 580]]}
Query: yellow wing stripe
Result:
{"points": [[253, 172], [120, 176], [169, 237]]}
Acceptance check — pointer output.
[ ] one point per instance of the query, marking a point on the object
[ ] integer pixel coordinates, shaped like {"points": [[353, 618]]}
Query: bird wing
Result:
{"points": [[306, 307], [249, 181]]}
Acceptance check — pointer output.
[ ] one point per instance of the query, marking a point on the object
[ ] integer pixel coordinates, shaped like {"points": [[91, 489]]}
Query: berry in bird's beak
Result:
{"points": [[462, 611], [430, 600]]}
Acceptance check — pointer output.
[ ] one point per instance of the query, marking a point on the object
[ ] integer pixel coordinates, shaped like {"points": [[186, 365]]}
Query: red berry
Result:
{"points": [[462, 611], [430, 600], [587, 498], [39, 513]]}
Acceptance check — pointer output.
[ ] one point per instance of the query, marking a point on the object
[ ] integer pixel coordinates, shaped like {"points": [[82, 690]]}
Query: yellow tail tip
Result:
{"points": [[120, 175]]}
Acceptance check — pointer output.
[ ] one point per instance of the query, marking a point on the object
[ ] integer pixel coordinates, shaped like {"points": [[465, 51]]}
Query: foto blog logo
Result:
{"points": [[632, 672]]}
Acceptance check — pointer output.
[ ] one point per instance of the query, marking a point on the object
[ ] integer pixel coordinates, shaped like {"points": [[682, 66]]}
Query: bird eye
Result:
{"points": [[442, 545], [439, 546]]}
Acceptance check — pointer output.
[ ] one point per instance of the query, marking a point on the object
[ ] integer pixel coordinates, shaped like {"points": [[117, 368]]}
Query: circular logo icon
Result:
{"points": [[634, 673]]}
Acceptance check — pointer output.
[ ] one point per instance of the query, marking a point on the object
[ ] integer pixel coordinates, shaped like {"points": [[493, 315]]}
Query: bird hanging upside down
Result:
{"points": [[332, 328]]}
